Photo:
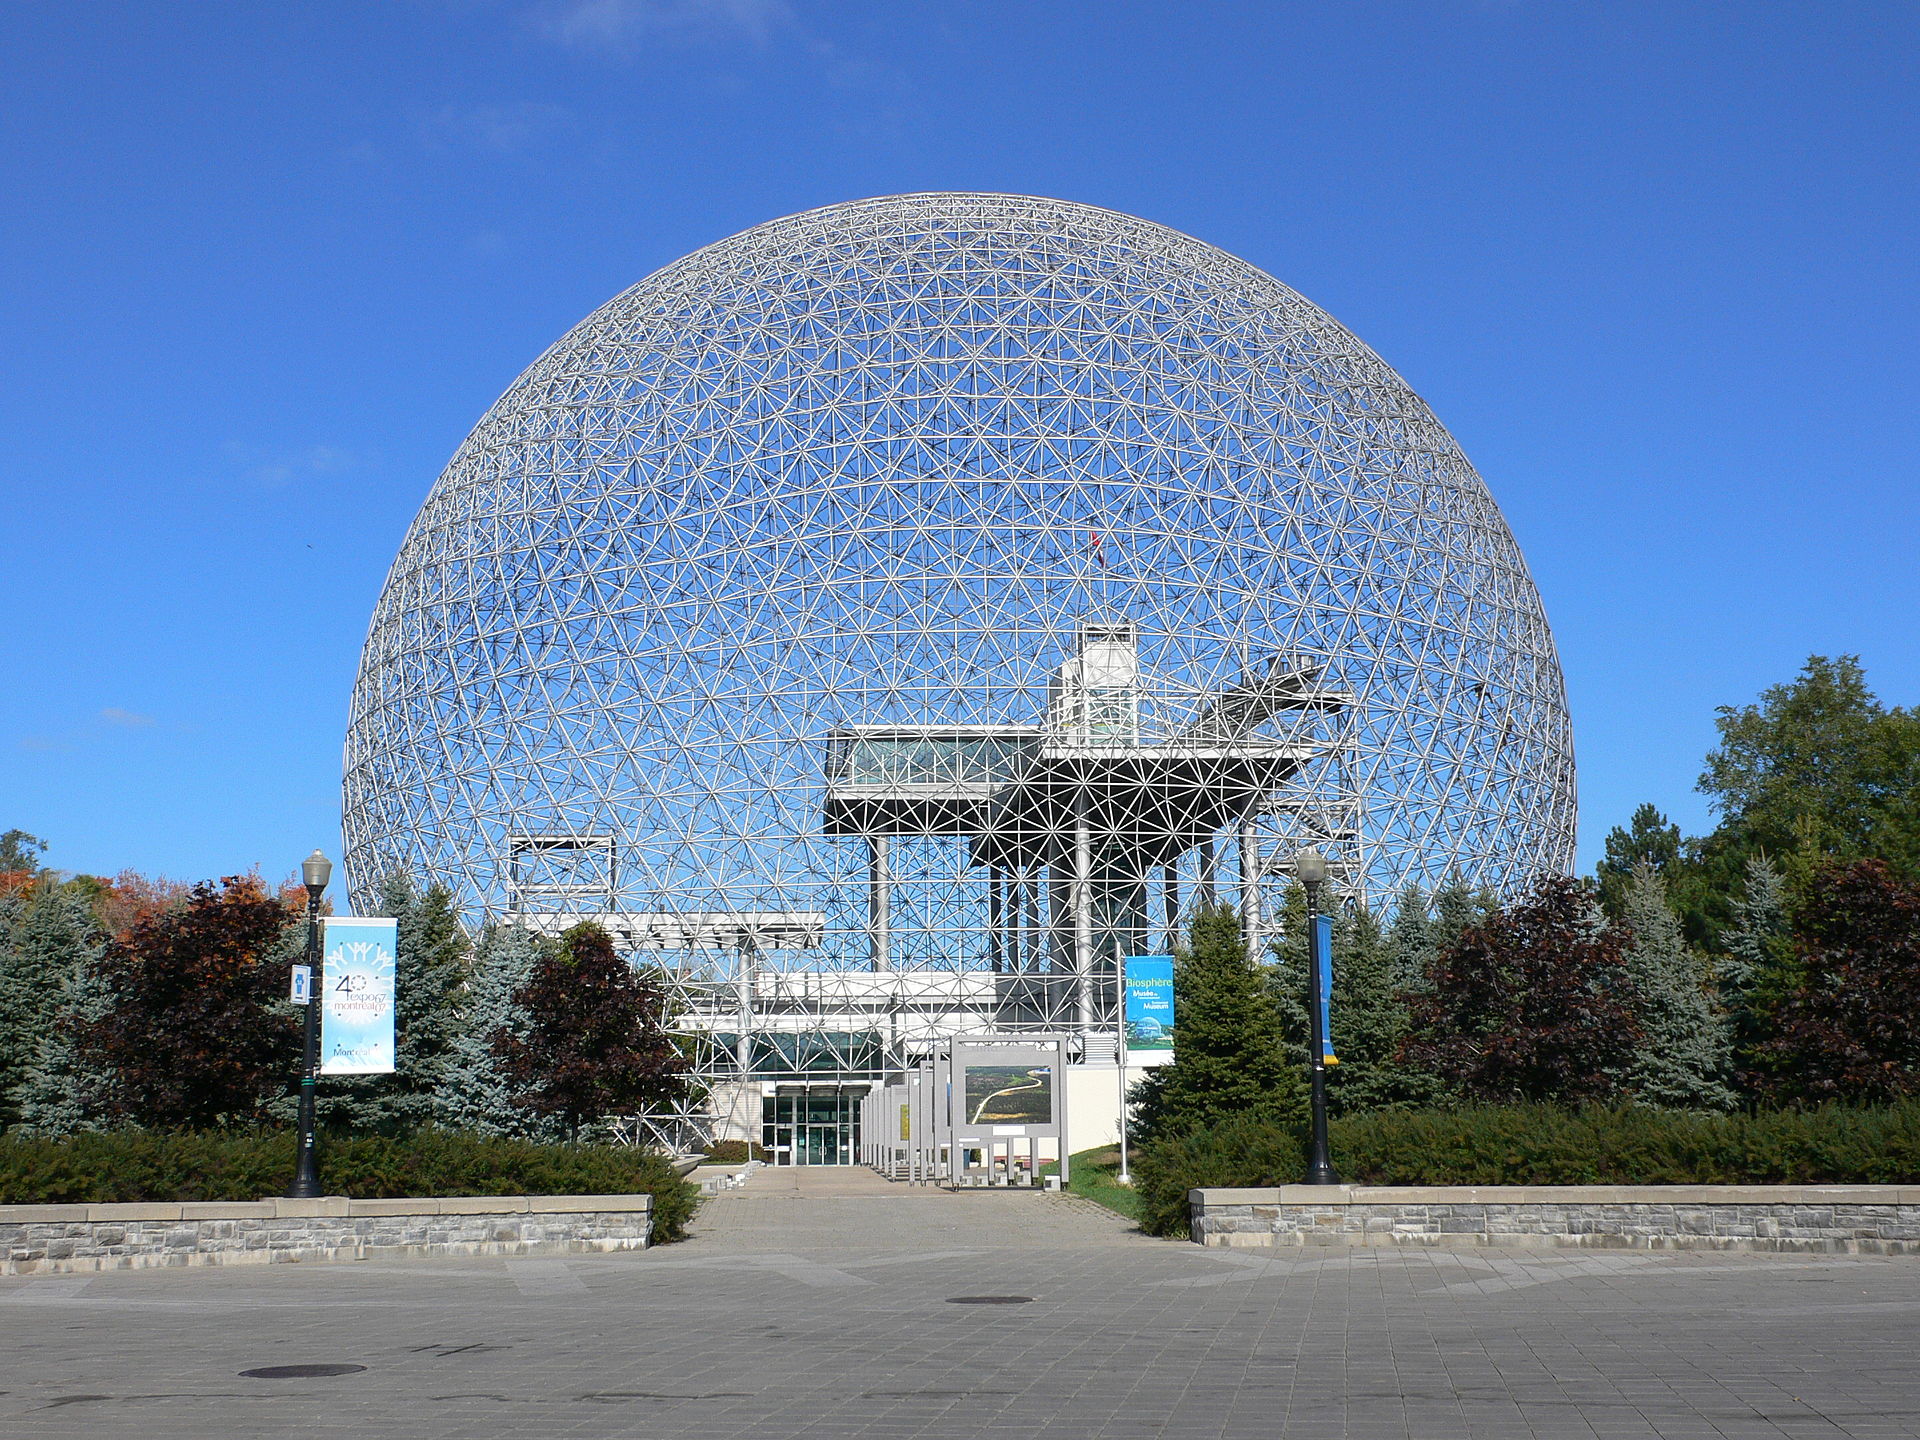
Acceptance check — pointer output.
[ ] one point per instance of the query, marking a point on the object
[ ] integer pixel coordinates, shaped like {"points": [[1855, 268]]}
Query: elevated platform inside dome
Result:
{"points": [[1160, 800], [1155, 801], [1021, 791]]}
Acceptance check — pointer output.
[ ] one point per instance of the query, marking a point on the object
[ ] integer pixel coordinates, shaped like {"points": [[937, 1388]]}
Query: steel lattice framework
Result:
{"points": [[952, 585]]}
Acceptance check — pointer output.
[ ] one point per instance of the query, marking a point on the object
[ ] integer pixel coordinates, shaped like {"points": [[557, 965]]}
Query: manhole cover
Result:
{"points": [[990, 1300], [299, 1372]]}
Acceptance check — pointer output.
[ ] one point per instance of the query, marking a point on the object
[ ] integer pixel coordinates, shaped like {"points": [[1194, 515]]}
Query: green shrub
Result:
{"points": [[734, 1152], [135, 1165], [1246, 1151], [1543, 1145]]}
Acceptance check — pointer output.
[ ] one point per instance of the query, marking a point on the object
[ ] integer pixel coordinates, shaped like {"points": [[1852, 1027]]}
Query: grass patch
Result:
{"points": [[1093, 1175]]}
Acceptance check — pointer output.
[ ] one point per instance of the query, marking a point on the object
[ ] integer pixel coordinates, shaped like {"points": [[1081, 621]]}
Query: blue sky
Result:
{"points": [[265, 264]]}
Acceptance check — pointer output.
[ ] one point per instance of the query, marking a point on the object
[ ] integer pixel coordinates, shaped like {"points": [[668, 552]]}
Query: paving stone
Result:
{"points": [[813, 1303]]}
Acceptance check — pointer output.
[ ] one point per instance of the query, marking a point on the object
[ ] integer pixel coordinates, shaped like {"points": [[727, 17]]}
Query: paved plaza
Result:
{"points": [[820, 1303]]}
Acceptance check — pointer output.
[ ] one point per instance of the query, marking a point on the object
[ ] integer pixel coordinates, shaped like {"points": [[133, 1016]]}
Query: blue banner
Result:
{"points": [[1323, 971], [1149, 1006], [356, 997]]}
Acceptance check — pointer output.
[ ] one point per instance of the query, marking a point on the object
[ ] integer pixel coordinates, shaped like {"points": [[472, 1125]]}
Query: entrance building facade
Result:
{"points": [[812, 1124]]}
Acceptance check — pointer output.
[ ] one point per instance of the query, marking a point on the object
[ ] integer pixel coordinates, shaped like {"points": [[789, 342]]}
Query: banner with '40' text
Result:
{"points": [[356, 996]]}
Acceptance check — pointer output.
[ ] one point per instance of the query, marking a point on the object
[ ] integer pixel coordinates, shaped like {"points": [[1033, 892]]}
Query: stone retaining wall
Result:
{"points": [[1862, 1219], [70, 1239]]}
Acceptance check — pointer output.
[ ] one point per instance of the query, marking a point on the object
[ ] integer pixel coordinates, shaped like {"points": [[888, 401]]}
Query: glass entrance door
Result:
{"points": [[819, 1127]]}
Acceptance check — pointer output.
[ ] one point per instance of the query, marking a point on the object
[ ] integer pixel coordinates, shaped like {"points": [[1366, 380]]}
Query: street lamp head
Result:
{"points": [[315, 871], [1310, 866]]}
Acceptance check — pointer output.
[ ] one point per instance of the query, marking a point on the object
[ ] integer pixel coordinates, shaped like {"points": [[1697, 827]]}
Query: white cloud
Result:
{"points": [[114, 715], [624, 25], [270, 467], [504, 129]]}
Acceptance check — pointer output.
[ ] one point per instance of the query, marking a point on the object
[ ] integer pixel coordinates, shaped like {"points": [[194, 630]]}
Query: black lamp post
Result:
{"points": [[315, 870], [1311, 867]]}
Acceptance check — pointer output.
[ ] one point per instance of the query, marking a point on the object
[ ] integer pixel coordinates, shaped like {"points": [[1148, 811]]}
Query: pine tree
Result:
{"points": [[46, 939], [1369, 1019], [66, 1089], [1757, 943], [1410, 942], [430, 972], [1229, 1047], [20, 853], [475, 1093], [1456, 910], [1649, 838], [1685, 1051]]}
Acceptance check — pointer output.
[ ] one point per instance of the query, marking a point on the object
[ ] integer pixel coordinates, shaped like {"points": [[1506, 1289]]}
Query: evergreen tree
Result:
{"points": [[1685, 1051], [475, 1090], [20, 853], [1410, 942], [46, 938], [1758, 972], [67, 1089], [430, 972], [1229, 1047], [1370, 1021], [1456, 910], [1648, 839]]}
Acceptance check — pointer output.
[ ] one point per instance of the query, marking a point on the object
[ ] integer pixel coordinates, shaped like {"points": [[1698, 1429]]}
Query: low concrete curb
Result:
{"points": [[78, 1239], [1851, 1219]]}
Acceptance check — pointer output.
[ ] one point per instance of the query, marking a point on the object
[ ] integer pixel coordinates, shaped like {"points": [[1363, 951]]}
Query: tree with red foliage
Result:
{"points": [[197, 1032], [1850, 1030], [1533, 1004], [597, 1042]]}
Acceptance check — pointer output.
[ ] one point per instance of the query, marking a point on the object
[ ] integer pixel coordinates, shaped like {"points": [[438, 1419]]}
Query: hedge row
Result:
{"points": [[1542, 1145], [135, 1165], [734, 1152]]}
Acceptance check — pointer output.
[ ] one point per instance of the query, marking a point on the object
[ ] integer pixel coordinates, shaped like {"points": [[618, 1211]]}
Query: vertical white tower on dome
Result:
{"points": [[1094, 698]]}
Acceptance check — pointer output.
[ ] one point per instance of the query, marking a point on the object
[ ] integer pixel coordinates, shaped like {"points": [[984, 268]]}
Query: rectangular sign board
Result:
{"points": [[356, 996], [1009, 1095], [1149, 1009]]}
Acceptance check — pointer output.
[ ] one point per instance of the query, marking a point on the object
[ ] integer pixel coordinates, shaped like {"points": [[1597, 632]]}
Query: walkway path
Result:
{"points": [[821, 1304]]}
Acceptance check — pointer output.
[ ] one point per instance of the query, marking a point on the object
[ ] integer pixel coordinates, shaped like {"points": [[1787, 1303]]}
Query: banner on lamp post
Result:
{"points": [[356, 996], [1149, 1004], [1323, 977]]}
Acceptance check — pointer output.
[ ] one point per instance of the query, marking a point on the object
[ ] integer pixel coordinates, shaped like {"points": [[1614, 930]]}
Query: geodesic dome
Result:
{"points": [[856, 498]]}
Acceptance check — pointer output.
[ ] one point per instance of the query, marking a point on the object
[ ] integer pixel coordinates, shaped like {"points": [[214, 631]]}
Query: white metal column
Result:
{"points": [[879, 902]]}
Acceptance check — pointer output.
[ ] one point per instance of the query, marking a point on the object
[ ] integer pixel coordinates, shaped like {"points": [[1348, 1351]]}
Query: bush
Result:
{"points": [[1246, 1151], [136, 1165], [734, 1152], [1544, 1145]]}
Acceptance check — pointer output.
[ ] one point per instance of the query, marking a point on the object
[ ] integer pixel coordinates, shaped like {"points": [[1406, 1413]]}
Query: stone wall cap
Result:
{"points": [[586, 1204], [373, 1208], [115, 1213], [326, 1206], [222, 1209], [1560, 1195], [287, 1208], [473, 1205], [41, 1214]]}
